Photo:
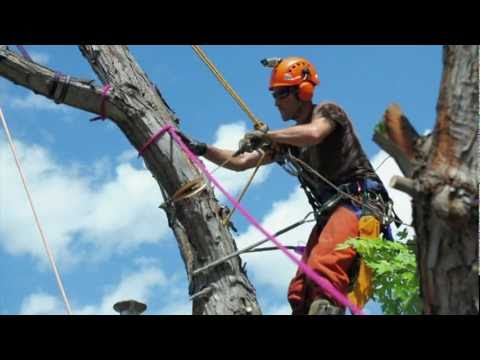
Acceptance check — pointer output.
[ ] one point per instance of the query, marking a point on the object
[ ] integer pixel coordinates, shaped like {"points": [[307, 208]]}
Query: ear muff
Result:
{"points": [[305, 91]]}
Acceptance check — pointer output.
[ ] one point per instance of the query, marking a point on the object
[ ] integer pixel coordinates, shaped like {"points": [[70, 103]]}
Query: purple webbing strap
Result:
{"points": [[24, 52], [105, 90], [154, 138]]}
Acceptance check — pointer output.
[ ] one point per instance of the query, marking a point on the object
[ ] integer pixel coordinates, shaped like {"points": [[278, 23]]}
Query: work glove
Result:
{"points": [[196, 147], [253, 140]]}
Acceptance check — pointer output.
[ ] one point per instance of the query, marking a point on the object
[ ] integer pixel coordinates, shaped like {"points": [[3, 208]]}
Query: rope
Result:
{"points": [[298, 249], [259, 125], [244, 190], [254, 245], [383, 162], [37, 221]]}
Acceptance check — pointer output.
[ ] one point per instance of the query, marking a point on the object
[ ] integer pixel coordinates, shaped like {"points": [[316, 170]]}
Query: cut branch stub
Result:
{"points": [[400, 131], [399, 139]]}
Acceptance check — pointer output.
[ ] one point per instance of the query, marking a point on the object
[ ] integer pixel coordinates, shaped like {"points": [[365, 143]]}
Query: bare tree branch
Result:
{"points": [[395, 152], [80, 94], [400, 131]]}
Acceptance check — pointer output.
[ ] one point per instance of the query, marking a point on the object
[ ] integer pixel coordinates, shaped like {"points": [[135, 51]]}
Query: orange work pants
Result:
{"points": [[321, 256]]}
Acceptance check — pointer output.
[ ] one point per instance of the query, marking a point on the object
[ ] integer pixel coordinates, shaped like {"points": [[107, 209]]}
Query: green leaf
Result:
{"points": [[381, 128], [394, 268], [402, 234]]}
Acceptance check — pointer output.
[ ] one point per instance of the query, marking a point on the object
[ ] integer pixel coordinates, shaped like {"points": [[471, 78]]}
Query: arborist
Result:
{"points": [[321, 149]]}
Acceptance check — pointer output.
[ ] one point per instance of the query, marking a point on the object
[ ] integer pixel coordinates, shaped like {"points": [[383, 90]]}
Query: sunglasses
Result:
{"points": [[282, 93]]}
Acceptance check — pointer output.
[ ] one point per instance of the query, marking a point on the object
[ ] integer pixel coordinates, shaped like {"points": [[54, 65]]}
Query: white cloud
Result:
{"points": [[42, 304], [137, 286], [148, 284], [127, 155], [40, 58], [122, 213], [36, 102]]}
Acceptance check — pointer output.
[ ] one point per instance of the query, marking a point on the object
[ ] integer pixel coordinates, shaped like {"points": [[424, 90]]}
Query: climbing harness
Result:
{"points": [[296, 167]]}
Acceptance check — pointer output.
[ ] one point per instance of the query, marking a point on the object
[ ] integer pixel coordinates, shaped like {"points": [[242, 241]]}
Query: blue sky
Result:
{"points": [[99, 205]]}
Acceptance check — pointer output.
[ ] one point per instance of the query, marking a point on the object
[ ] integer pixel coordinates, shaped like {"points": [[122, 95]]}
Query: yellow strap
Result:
{"points": [[369, 228]]}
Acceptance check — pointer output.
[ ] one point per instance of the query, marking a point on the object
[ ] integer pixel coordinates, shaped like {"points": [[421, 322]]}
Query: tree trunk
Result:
{"points": [[136, 106], [442, 178]]}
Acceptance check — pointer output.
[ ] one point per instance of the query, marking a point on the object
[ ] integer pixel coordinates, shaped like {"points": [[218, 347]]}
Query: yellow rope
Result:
{"points": [[227, 219], [258, 124]]}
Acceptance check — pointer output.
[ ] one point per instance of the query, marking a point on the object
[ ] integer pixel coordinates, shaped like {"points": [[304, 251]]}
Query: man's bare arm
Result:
{"points": [[306, 134], [239, 163]]}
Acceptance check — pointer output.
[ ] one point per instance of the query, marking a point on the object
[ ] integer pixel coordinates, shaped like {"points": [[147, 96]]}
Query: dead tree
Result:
{"points": [[441, 175], [136, 106]]}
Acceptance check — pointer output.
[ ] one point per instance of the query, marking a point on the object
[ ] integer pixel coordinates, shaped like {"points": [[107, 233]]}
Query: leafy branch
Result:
{"points": [[395, 280]]}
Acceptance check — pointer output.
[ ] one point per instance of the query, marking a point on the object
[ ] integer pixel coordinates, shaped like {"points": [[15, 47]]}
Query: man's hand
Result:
{"points": [[253, 140], [198, 148]]}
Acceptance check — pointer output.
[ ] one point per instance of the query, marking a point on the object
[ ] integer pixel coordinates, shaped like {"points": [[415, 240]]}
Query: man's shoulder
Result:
{"points": [[332, 111], [327, 103]]}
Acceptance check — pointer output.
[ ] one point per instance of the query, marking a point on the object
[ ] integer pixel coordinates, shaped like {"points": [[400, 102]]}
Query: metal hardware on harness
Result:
{"points": [[289, 166]]}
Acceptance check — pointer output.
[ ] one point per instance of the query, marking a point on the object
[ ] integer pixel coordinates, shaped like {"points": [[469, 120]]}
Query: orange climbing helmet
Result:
{"points": [[293, 71]]}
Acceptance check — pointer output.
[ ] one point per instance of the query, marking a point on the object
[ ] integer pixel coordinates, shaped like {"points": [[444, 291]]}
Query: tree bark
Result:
{"points": [[136, 106], [443, 182]]}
